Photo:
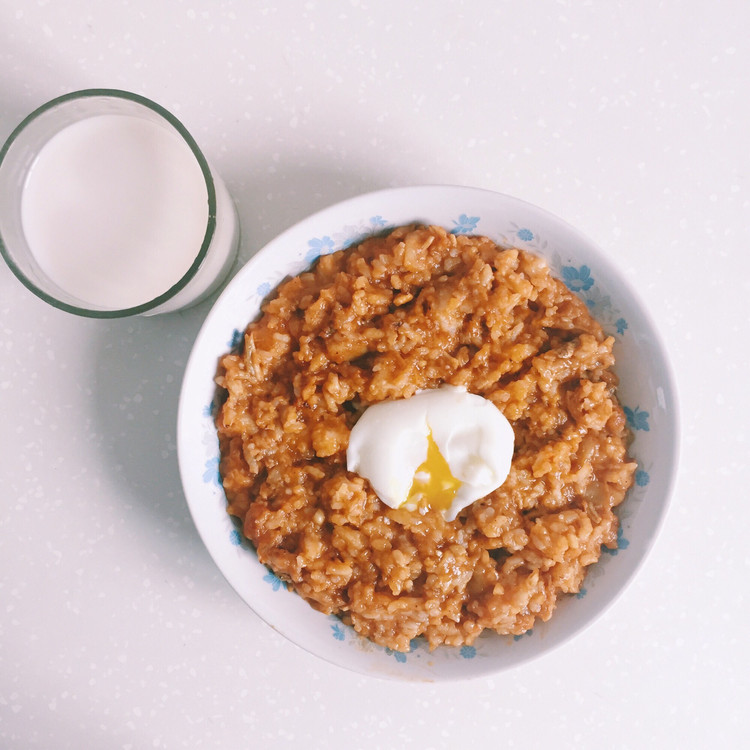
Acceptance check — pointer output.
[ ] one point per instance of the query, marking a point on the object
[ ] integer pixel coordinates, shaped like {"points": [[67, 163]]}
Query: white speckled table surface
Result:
{"points": [[630, 120]]}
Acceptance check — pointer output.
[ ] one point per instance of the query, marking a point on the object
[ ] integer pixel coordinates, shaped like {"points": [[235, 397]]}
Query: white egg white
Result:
{"points": [[389, 443]]}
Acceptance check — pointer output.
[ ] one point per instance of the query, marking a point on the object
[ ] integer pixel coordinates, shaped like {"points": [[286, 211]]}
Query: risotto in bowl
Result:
{"points": [[428, 433]]}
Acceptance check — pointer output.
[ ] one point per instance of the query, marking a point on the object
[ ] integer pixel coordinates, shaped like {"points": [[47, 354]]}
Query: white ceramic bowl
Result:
{"points": [[646, 392]]}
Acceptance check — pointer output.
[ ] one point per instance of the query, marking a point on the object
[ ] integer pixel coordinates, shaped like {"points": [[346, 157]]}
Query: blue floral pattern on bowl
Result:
{"points": [[465, 224], [211, 474], [274, 581], [318, 246], [349, 235], [642, 478], [622, 543], [637, 418], [577, 279]]}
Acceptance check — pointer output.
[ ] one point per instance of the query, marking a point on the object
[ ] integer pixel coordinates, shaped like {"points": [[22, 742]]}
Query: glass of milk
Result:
{"points": [[108, 208]]}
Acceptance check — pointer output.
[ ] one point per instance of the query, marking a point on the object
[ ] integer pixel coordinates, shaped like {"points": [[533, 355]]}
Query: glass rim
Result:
{"points": [[202, 163]]}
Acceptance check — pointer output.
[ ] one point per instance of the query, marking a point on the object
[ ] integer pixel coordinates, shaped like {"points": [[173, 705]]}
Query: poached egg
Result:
{"points": [[443, 448]]}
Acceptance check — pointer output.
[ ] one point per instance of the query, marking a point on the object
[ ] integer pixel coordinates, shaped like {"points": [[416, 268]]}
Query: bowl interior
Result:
{"points": [[646, 392]]}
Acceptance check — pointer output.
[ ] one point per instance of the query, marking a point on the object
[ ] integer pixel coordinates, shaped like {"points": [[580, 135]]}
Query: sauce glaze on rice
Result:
{"points": [[408, 311]]}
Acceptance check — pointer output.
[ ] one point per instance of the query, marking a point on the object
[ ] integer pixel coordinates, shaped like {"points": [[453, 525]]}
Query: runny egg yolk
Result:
{"points": [[433, 480]]}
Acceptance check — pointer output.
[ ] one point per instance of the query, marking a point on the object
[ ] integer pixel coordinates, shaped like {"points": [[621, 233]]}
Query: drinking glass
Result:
{"points": [[207, 258]]}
